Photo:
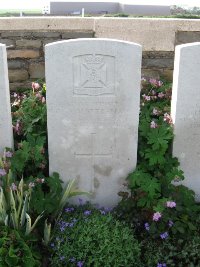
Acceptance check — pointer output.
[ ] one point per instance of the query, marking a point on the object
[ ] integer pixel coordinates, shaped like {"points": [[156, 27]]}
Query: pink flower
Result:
{"points": [[31, 185], [156, 216], [43, 100], [155, 111], [153, 125], [146, 97], [167, 118], [35, 86], [161, 95], [171, 204], [2, 172]]}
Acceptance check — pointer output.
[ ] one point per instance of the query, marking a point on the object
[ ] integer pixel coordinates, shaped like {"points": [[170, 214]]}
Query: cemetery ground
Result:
{"points": [[156, 223]]}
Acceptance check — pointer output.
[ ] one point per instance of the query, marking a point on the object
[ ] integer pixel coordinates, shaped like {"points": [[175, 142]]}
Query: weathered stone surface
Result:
{"points": [[17, 64], [20, 86], [186, 113], [18, 75], [26, 53], [36, 70], [46, 34], [158, 63], [93, 89], [183, 37], [6, 133], [74, 34], [8, 42], [148, 73], [28, 43], [19, 33]]}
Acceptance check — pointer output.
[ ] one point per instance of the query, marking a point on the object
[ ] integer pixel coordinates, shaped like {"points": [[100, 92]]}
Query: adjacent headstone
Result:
{"points": [[93, 89], [186, 113], [6, 133]]}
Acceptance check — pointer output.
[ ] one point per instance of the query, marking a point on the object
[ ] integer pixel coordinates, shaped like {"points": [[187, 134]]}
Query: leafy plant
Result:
{"points": [[17, 251], [154, 182], [86, 236], [14, 205]]}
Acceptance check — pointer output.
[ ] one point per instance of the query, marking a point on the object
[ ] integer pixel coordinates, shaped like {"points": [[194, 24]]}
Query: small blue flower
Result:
{"points": [[62, 258], [87, 212], [103, 212], [170, 223], [52, 245], [147, 227], [72, 259], [80, 264], [69, 209], [164, 235], [80, 200]]}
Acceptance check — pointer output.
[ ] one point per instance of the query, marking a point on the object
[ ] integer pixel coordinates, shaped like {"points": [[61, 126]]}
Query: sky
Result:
{"points": [[38, 4]]}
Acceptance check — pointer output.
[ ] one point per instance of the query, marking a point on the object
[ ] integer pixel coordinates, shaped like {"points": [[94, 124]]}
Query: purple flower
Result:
{"points": [[80, 200], [69, 209], [79, 263], [52, 245], [164, 235], [153, 125], [161, 265], [171, 204], [2, 172], [13, 187], [87, 212], [8, 154], [72, 259], [147, 227], [156, 216], [170, 223], [103, 212], [62, 258]]}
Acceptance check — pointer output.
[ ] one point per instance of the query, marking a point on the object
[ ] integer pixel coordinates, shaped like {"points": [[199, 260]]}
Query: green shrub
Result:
{"points": [[17, 251], [155, 184], [173, 252], [86, 236]]}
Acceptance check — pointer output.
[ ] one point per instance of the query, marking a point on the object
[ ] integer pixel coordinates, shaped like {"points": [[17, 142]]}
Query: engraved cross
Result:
{"points": [[93, 154]]}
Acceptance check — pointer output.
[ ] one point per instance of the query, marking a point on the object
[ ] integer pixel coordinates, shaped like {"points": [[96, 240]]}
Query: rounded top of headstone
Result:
{"points": [[93, 40]]}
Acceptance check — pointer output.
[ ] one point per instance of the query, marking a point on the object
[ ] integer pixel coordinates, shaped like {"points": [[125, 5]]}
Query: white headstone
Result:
{"points": [[6, 132], [93, 88], [186, 113]]}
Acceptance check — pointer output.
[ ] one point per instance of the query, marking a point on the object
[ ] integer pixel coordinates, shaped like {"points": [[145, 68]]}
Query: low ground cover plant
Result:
{"points": [[155, 224], [86, 236]]}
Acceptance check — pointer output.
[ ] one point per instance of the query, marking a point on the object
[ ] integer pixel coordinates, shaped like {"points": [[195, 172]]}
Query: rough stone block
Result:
{"points": [[17, 64], [8, 42], [18, 75], [25, 53], [93, 88], [158, 63], [6, 132], [28, 43], [36, 70], [74, 35], [183, 37]]}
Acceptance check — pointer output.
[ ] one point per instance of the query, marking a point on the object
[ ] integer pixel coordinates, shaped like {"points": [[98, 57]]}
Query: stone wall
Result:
{"points": [[26, 37]]}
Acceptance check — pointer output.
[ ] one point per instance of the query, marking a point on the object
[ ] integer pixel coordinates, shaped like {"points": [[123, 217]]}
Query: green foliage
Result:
{"points": [[172, 252], [30, 132], [17, 251], [29, 159], [94, 238], [157, 177], [14, 206]]}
